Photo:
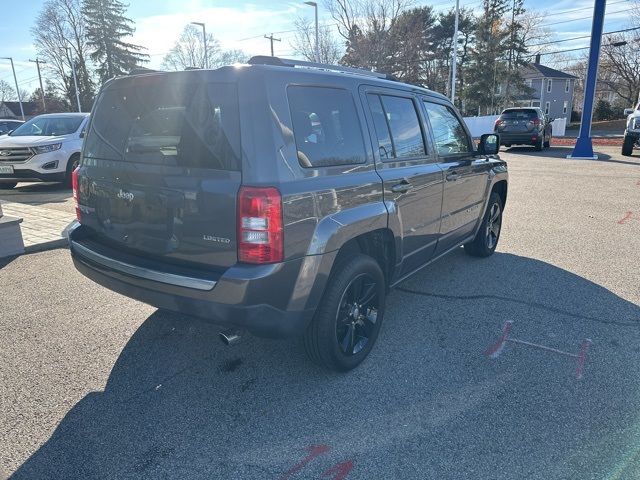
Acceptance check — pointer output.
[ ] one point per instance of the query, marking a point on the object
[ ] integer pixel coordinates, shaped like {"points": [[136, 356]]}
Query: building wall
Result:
{"points": [[560, 101], [5, 112]]}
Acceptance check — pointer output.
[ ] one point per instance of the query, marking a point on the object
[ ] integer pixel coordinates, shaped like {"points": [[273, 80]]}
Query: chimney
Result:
{"points": [[537, 59]]}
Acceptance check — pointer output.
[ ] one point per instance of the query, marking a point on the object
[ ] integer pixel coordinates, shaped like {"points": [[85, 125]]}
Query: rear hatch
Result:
{"points": [[517, 121], [161, 168]]}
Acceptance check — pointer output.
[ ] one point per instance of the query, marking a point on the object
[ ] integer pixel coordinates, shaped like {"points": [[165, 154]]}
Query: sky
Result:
{"points": [[243, 24]]}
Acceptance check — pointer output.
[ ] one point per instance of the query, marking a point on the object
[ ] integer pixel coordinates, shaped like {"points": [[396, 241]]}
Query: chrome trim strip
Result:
{"points": [[140, 272]]}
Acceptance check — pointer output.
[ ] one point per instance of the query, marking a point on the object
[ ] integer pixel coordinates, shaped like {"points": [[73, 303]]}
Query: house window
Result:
{"points": [[567, 85], [549, 83], [547, 106], [565, 106]]}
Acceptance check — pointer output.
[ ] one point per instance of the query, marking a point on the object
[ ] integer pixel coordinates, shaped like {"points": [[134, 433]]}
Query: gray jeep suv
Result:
{"points": [[280, 197]]}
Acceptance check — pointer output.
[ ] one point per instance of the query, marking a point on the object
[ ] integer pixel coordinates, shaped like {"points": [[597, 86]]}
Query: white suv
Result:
{"points": [[632, 133], [43, 149]]}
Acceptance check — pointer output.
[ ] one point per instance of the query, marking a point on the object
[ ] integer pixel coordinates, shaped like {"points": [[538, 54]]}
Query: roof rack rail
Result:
{"points": [[287, 62]]}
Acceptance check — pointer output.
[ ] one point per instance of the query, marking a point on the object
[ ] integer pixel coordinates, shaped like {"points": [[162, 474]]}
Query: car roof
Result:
{"points": [[63, 115], [10, 120]]}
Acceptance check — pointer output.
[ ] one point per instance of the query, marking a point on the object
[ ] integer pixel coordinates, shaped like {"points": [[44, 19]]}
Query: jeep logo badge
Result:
{"points": [[128, 196]]}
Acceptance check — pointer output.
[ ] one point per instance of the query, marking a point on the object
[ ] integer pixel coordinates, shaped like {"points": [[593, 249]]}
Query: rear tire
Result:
{"points": [[627, 146], [73, 162], [486, 240], [539, 145], [547, 143], [348, 319], [8, 185]]}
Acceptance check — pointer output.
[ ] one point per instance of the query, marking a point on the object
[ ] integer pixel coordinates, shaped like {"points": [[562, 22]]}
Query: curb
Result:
{"points": [[44, 246]]}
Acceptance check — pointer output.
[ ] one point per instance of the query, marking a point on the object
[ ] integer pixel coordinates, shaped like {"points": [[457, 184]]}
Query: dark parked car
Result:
{"points": [[524, 126], [279, 197], [8, 125]]}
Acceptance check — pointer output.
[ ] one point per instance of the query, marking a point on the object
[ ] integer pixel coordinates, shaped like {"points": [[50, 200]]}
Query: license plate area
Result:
{"points": [[6, 169]]}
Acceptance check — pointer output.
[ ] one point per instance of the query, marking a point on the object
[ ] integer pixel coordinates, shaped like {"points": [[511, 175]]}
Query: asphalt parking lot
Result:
{"points": [[94, 385]]}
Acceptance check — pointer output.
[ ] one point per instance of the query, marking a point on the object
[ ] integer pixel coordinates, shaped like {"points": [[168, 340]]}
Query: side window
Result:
{"points": [[385, 147], [326, 126], [449, 134], [404, 134]]}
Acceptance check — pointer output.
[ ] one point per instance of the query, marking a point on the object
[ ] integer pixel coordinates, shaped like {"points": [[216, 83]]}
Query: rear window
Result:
{"points": [[519, 115], [325, 126], [168, 122]]}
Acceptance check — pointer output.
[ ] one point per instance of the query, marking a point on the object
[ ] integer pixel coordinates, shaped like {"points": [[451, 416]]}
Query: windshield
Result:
{"points": [[519, 115], [48, 126]]}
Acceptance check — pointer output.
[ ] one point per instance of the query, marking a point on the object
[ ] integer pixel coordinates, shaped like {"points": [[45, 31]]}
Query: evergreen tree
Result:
{"points": [[107, 27], [488, 57], [516, 50]]}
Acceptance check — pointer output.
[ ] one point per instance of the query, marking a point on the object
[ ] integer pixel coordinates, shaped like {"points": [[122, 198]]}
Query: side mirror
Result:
{"points": [[489, 144], [82, 134], [628, 111]]}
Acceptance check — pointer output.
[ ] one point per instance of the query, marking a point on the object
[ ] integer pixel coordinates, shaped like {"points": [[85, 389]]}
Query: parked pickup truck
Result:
{"points": [[281, 197], [632, 132]]}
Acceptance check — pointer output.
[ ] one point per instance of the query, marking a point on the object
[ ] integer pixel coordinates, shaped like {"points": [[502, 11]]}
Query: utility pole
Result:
{"points": [[272, 39], [15, 79], [317, 46], [205, 63], [38, 62], [75, 80], [454, 55]]}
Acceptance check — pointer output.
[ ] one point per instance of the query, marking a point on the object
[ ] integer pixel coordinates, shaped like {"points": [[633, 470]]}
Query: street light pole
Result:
{"points": [[75, 79], [15, 79], [38, 62], [204, 43], [454, 55], [317, 47]]}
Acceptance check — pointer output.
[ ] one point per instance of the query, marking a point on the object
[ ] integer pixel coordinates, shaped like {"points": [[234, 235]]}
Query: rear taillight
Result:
{"points": [[536, 121], [76, 197], [260, 236], [498, 123]]}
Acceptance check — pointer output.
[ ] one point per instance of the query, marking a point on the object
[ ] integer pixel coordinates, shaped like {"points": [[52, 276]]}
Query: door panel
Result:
{"points": [[412, 179], [465, 172]]}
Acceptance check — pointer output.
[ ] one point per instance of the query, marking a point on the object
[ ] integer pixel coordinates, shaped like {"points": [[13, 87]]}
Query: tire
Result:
{"points": [[547, 143], [539, 144], [341, 335], [7, 185], [73, 162], [627, 146], [486, 240]]}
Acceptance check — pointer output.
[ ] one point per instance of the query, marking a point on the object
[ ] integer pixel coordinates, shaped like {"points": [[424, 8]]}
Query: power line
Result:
{"points": [[579, 19], [584, 36]]}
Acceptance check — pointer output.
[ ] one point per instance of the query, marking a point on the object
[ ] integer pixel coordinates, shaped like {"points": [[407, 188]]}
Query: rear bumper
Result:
{"points": [[27, 175], [519, 138], [276, 300]]}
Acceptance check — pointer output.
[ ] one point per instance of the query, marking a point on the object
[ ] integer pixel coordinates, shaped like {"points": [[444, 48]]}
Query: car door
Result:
{"points": [[412, 179], [466, 174]]}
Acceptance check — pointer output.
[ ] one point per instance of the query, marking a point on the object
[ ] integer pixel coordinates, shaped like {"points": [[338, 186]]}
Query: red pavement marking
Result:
{"points": [[495, 350], [582, 358], [627, 216], [340, 471], [314, 452], [638, 183]]}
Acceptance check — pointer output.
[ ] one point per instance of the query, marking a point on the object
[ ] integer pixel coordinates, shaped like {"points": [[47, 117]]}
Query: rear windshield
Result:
{"points": [[519, 115], [168, 122]]}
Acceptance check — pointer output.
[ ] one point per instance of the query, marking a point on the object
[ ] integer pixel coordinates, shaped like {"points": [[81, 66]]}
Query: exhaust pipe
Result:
{"points": [[230, 337]]}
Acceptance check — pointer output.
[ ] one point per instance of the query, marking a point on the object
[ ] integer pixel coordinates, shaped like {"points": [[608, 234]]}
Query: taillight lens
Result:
{"points": [[76, 197], [498, 123], [536, 121], [260, 235]]}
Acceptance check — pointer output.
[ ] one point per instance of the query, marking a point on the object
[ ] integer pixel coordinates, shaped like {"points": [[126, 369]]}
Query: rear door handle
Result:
{"points": [[453, 176], [402, 187]]}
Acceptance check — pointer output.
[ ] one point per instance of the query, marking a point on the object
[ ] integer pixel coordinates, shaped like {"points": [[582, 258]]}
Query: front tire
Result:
{"points": [[627, 145], [7, 185], [486, 240], [348, 319], [73, 162]]}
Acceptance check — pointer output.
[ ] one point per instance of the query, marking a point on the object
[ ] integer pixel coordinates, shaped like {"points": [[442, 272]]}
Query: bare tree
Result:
{"points": [[189, 51], [7, 92], [620, 66], [305, 40], [60, 38]]}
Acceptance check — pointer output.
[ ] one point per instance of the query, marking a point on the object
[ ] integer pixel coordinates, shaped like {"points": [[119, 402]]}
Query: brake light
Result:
{"points": [[536, 121], [76, 197], [498, 123], [260, 233]]}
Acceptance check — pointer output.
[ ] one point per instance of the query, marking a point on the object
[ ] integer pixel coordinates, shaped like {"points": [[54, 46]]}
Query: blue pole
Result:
{"points": [[584, 146]]}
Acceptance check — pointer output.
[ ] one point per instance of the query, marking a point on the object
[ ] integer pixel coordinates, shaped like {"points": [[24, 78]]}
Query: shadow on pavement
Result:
{"points": [[37, 193], [426, 404]]}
